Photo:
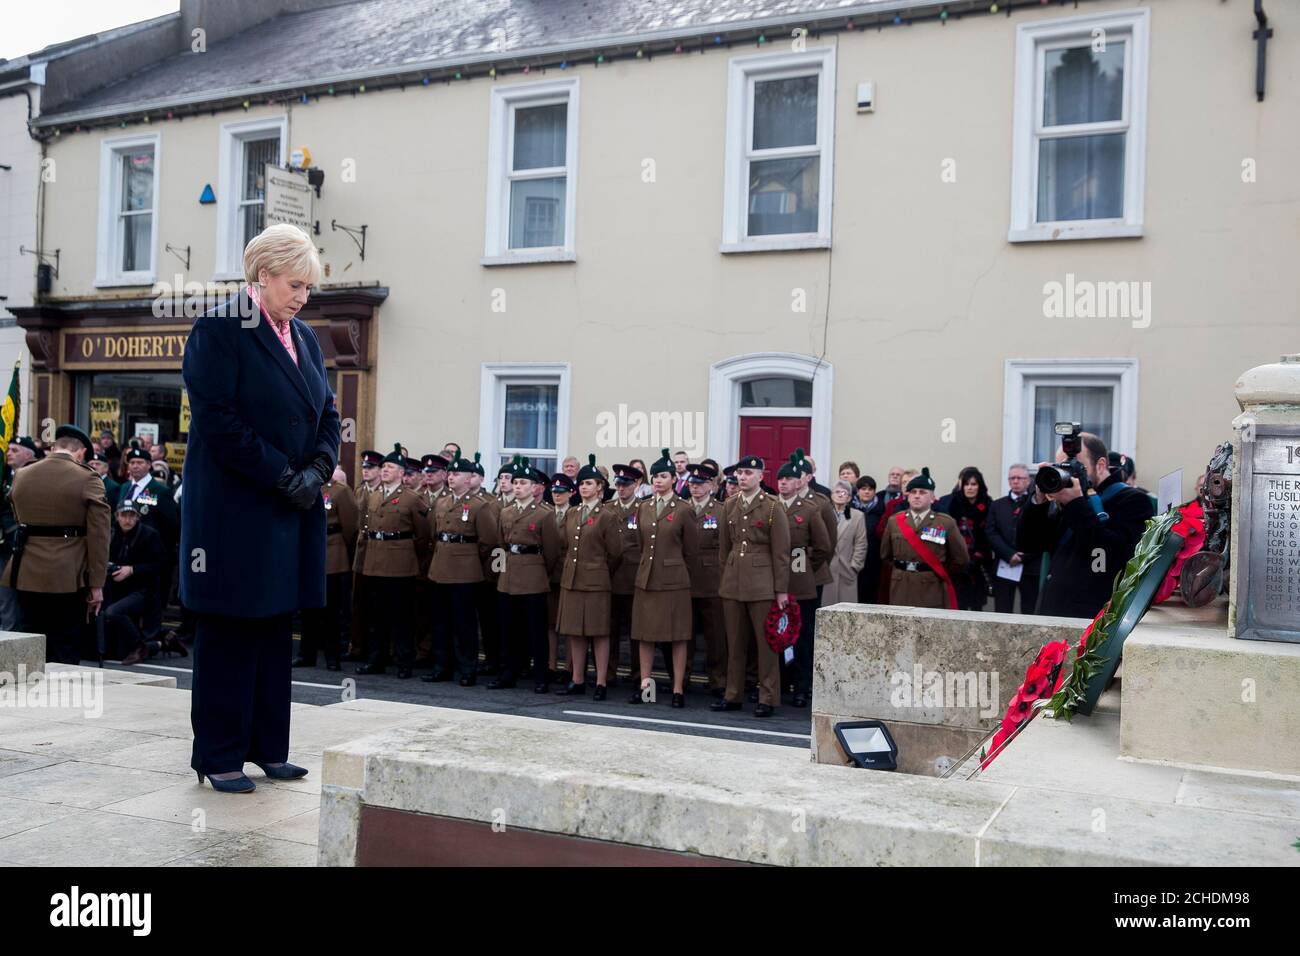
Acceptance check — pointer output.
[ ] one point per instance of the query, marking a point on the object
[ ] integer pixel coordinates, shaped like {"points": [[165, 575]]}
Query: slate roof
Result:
{"points": [[391, 35]]}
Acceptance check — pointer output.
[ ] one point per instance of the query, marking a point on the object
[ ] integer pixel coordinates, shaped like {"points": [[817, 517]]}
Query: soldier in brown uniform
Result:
{"points": [[810, 554], [464, 534], [530, 546], [426, 476], [594, 550], [661, 611], [488, 603], [925, 549], [361, 623], [706, 573], [395, 525], [622, 587], [754, 547], [563, 491], [323, 627], [61, 548]]}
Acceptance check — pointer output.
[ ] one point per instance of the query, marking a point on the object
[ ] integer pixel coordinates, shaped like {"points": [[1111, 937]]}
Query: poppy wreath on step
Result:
{"points": [[783, 624]]}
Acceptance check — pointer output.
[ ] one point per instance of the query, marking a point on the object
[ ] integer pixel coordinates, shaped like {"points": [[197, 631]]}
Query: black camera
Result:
{"points": [[113, 568], [1052, 478]]}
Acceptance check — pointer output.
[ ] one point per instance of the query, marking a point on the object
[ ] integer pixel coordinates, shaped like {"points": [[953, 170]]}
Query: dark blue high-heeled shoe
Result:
{"points": [[240, 784], [286, 771]]}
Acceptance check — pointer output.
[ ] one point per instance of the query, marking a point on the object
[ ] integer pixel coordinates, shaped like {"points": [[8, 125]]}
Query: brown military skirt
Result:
{"points": [[583, 614], [662, 616]]}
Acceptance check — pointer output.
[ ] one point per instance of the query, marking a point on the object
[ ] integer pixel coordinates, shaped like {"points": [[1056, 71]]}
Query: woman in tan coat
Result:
{"points": [[593, 550], [850, 548], [661, 612]]}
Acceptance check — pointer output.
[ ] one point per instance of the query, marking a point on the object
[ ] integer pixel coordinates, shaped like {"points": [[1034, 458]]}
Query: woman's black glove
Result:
{"points": [[300, 487]]}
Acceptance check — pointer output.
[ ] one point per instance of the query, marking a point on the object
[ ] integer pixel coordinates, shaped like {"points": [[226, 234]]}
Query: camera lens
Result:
{"points": [[1051, 479]]}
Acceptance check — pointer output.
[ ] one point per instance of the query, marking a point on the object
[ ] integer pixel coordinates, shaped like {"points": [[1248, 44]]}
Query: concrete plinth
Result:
{"points": [[940, 679], [18, 649]]}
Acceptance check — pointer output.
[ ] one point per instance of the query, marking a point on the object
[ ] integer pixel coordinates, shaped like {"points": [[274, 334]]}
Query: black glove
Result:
{"points": [[302, 488], [323, 468]]}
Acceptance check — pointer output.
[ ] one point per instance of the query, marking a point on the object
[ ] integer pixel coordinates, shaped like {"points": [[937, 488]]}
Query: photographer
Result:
{"points": [[132, 607], [1087, 519]]}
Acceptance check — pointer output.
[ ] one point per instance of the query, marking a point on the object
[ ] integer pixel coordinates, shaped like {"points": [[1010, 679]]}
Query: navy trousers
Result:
{"points": [[239, 707]]}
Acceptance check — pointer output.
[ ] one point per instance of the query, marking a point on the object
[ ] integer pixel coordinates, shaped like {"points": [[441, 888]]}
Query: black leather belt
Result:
{"points": [[911, 565], [390, 535], [448, 538], [53, 531], [525, 549]]}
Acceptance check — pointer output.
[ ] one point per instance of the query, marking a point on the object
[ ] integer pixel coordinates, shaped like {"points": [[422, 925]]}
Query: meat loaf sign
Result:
{"points": [[122, 347]]}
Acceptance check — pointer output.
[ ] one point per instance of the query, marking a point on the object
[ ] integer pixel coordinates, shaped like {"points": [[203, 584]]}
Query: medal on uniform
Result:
{"points": [[710, 523], [464, 513], [631, 521], [934, 535], [326, 496]]}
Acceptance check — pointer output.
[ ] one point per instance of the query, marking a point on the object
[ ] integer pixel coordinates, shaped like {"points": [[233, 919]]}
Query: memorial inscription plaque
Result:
{"points": [[1272, 584]]}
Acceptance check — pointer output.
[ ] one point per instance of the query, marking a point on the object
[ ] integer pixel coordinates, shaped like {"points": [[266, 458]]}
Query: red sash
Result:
{"points": [[928, 557]]}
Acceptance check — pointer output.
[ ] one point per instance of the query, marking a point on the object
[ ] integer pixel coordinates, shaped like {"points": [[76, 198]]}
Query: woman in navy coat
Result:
{"points": [[263, 439]]}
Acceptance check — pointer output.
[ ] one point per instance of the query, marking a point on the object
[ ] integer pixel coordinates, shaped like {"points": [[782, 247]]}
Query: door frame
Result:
{"points": [[725, 380]]}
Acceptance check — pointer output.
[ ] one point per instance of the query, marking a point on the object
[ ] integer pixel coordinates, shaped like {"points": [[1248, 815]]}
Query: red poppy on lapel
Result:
{"points": [[798, 519], [591, 521], [758, 523], [670, 516], [980, 506], [532, 527]]}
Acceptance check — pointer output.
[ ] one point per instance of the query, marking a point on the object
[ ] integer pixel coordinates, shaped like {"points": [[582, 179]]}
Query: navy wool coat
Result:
{"points": [[252, 411]]}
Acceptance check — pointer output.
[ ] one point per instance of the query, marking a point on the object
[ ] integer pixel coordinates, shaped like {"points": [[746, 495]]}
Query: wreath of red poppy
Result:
{"points": [[783, 625]]}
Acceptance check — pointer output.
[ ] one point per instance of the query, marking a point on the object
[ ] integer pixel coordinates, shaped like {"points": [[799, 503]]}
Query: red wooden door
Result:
{"points": [[772, 439]]}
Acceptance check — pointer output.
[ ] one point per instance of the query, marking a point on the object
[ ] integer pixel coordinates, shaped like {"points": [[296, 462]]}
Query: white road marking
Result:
{"points": [[187, 670], [686, 723]]}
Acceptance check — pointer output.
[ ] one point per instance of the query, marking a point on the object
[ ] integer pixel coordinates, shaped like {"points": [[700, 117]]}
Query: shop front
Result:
{"points": [[115, 365]]}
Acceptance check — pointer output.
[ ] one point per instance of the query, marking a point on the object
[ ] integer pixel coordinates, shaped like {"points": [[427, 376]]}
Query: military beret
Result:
{"points": [[922, 481], [26, 441], [99, 456], [520, 468], [411, 465], [750, 461], [700, 473], [663, 463], [127, 504], [72, 431], [790, 468], [589, 470], [539, 476], [730, 473], [465, 465], [138, 454], [432, 463], [395, 456], [505, 469], [626, 474]]}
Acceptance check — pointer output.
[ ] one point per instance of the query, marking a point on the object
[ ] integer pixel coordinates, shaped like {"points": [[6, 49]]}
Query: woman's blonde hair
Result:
{"points": [[279, 249]]}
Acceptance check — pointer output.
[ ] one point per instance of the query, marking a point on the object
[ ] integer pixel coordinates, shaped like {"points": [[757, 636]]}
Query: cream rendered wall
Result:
{"points": [[927, 298], [18, 201]]}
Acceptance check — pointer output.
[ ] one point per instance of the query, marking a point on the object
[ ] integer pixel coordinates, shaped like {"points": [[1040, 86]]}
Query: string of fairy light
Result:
{"points": [[617, 52]]}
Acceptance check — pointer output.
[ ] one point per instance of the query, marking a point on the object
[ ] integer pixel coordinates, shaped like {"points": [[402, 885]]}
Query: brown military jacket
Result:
{"points": [[594, 548], [922, 588], [558, 515], [493, 503], [60, 492], [341, 525], [364, 494], [624, 581], [533, 527], [822, 573], [706, 570], [401, 511], [461, 562], [754, 547], [807, 535], [669, 542]]}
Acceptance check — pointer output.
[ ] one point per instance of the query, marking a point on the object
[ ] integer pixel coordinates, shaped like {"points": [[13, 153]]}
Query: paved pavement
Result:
{"points": [[315, 685]]}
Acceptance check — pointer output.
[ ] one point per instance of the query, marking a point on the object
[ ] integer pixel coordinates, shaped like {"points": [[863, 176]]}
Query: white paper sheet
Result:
{"points": [[1009, 571]]}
